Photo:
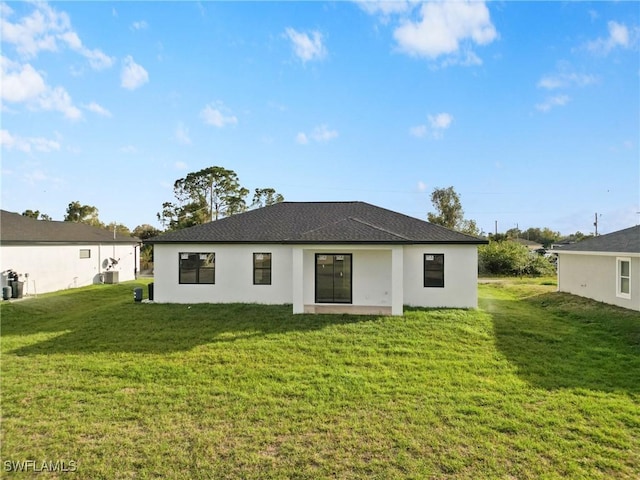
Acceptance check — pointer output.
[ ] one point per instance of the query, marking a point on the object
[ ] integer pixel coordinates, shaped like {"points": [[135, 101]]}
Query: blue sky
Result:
{"points": [[529, 110]]}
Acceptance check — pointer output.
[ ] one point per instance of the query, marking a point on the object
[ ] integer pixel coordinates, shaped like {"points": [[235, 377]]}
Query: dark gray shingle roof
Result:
{"points": [[18, 229], [318, 222], [622, 241]]}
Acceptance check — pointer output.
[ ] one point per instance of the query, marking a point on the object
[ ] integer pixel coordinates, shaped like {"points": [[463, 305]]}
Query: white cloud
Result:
{"points": [[320, 134], [133, 75], [15, 142], [44, 144], [307, 46], [565, 80], [441, 121], [128, 149], [619, 36], [38, 176], [552, 102], [218, 115], [99, 109], [58, 99], [35, 32], [20, 83], [422, 187], [23, 84], [181, 165], [139, 25], [46, 29], [182, 134], [443, 26], [97, 59], [419, 131], [437, 124], [323, 134]]}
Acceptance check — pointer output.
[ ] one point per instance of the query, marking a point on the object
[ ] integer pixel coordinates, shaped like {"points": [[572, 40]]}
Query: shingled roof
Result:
{"points": [[622, 241], [318, 222], [18, 229]]}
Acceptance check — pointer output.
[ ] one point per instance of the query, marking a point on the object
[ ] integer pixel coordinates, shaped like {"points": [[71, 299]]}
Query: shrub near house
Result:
{"points": [[506, 257]]}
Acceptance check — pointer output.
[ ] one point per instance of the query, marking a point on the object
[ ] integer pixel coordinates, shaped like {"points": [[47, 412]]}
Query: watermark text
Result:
{"points": [[40, 465]]}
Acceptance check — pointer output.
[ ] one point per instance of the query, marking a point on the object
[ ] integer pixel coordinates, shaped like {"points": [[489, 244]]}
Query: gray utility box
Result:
{"points": [[16, 288], [137, 294], [111, 276]]}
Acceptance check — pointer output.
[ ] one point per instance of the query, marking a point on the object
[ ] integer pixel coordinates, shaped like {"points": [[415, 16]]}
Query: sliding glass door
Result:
{"points": [[333, 278]]}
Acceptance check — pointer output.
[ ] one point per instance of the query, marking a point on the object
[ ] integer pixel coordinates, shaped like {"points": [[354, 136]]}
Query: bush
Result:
{"points": [[540, 266], [511, 258]]}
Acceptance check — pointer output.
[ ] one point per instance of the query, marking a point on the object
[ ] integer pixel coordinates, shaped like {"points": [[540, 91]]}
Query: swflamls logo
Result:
{"points": [[40, 466]]}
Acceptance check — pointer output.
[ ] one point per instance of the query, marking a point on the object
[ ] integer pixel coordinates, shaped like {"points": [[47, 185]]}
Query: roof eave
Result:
{"points": [[596, 252], [318, 242]]}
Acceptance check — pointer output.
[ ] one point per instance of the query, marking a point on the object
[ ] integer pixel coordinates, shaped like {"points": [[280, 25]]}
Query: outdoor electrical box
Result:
{"points": [[111, 276]]}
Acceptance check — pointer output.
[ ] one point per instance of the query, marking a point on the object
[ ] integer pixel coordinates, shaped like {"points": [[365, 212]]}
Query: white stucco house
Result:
{"points": [[50, 255], [605, 268], [322, 257]]}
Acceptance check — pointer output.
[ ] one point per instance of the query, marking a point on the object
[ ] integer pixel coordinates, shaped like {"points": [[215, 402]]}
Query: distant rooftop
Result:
{"points": [[18, 229], [622, 241]]}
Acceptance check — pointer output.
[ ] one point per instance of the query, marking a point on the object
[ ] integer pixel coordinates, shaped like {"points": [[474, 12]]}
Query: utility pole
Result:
{"points": [[596, 223]]}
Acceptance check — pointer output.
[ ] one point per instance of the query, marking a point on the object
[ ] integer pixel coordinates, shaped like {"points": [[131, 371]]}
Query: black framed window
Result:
{"points": [[197, 268], [333, 278], [434, 270], [262, 269]]}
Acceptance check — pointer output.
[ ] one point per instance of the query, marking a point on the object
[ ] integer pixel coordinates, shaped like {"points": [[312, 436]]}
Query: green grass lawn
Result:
{"points": [[534, 384]]}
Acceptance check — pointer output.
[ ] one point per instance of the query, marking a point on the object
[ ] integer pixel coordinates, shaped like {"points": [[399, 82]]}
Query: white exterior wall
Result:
{"points": [[382, 276], [460, 277], [233, 275], [371, 273], [58, 267], [595, 276]]}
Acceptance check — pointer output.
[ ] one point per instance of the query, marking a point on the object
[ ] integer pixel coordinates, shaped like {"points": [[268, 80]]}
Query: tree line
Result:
{"points": [[216, 192], [206, 195], [503, 255]]}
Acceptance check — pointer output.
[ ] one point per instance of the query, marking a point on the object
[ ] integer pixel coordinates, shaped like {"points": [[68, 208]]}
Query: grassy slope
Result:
{"points": [[534, 385]]}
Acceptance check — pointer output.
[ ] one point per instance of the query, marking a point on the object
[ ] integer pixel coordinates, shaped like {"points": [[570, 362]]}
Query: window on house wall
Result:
{"points": [[262, 269], [197, 268], [623, 288], [85, 253], [434, 270]]}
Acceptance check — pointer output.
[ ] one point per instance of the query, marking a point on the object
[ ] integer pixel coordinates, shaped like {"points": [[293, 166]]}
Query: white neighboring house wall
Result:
{"points": [[59, 267], [595, 275], [376, 270]]}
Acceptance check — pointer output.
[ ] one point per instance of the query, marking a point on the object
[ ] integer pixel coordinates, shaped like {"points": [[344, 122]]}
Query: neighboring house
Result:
{"points": [[50, 256], [322, 257], [531, 245], [605, 268]]}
